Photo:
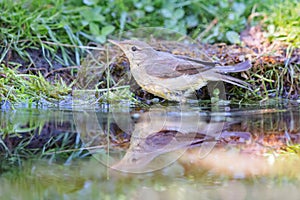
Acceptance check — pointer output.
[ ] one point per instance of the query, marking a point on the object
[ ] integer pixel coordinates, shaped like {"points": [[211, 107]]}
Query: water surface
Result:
{"points": [[158, 152]]}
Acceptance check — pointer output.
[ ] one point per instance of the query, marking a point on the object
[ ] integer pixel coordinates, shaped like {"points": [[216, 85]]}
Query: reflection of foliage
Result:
{"points": [[36, 133]]}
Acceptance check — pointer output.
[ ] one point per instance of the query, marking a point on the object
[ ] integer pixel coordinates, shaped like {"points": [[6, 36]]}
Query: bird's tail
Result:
{"points": [[236, 81], [234, 68]]}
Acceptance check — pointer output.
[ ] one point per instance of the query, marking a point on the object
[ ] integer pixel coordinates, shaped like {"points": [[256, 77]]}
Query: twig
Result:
{"points": [[73, 46], [208, 28], [60, 69], [34, 69]]}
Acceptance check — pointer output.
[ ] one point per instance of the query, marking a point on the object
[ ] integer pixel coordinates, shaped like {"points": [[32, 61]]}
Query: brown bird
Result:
{"points": [[174, 77]]}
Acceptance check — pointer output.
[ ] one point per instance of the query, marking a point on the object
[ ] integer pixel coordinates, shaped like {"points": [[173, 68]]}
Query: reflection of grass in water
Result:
{"points": [[37, 134], [64, 147], [88, 178], [14, 123]]}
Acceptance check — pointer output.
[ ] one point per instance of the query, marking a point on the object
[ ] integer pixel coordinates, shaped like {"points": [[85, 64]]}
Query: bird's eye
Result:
{"points": [[133, 48]]}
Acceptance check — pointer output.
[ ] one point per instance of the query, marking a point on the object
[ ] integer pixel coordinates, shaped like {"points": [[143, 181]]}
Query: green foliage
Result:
{"points": [[284, 22], [28, 24], [15, 87], [187, 17]]}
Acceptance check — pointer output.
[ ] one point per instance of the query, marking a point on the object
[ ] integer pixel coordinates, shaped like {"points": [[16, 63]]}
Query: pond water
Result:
{"points": [[155, 152]]}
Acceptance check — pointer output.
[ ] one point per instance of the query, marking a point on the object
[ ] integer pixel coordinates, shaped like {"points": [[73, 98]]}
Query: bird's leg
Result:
{"points": [[190, 93], [176, 96]]}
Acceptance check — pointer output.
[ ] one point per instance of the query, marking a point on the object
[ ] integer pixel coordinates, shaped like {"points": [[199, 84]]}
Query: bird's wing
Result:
{"points": [[206, 63], [172, 67], [240, 67]]}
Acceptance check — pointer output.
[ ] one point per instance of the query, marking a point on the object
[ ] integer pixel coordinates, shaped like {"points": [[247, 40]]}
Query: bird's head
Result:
{"points": [[136, 51]]}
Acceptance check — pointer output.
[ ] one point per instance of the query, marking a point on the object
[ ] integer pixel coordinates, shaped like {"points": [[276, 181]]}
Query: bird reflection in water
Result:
{"points": [[163, 134]]}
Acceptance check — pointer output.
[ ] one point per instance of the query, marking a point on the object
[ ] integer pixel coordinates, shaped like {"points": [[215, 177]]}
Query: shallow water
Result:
{"points": [[158, 152]]}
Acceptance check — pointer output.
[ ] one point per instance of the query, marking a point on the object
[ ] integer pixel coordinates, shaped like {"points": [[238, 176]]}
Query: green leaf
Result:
{"points": [[192, 21], [94, 28], [166, 13], [138, 5], [93, 14], [139, 14], [149, 8], [101, 38], [90, 2], [233, 37], [87, 14], [84, 22], [239, 8], [106, 30], [179, 13]]}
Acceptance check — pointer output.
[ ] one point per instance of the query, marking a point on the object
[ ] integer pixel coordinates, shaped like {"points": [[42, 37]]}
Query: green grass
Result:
{"points": [[283, 24], [27, 24], [16, 87], [33, 24]]}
